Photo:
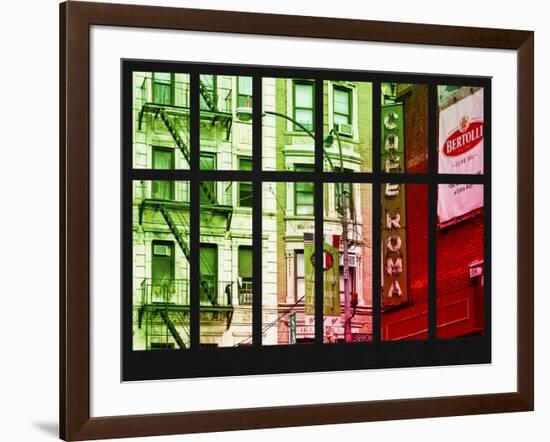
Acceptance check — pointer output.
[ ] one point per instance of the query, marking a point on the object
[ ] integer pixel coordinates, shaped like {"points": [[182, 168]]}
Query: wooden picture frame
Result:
{"points": [[76, 18]]}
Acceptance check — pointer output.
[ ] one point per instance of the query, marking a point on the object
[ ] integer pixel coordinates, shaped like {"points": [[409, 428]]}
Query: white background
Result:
{"points": [[29, 368]]}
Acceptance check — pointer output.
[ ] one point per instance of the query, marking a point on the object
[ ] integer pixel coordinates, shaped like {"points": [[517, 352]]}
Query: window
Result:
{"points": [[245, 187], [303, 193], [342, 105], [303, 104], [208, 188], [244, 92], [163, 158], [209, 274], [163, 88], [162, 271], [300, 288], [245, 275]]}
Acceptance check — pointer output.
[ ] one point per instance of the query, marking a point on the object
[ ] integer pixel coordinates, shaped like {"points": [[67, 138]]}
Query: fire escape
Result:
{"points": [[165, 307]]}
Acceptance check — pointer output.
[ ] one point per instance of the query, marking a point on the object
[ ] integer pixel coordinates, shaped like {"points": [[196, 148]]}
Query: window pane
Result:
{"points": [[304, 187], [460, 144], [404, 128], [161, 116], [288, 276], [245, 187], [304, 196], [162, 93], [208, 193], [287, 102], [245, 262], [244, 92], [305, 118], [165, 77], [226, 126], [208, 188], [163, 159], [245, 86], [162, 88], [348, 133], [245, 194], [404, 261], [303, 95], [245, 163], [300, 264], [338, 119], [304, 210], [304, 168], [225, 270], [208, 274], [460, 260], [347, 286], [207, 162], [208, 81], [160, 247], [300, 288], [341, 101]]}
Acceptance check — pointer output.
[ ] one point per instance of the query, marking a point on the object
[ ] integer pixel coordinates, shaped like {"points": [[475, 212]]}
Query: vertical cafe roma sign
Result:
{"points": [[394, 238], [460, 151]]}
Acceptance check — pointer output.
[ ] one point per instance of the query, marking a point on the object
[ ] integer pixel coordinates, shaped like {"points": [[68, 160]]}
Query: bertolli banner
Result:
{"points": [[460, 151]]}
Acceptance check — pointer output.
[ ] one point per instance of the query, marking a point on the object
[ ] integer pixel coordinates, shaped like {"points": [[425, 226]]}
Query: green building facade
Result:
{"points": [[161, 215]]}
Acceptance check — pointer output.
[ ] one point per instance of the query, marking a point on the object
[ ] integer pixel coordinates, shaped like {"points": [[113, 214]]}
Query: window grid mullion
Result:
{"points": [[318, 210], [194, 225], [376, 214], [257, 245]]}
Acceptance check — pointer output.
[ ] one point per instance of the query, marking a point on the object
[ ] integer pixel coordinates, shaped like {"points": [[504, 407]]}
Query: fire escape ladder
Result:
{"points": [[171, 327], [175, 231], [185, 151], [211, 294], [209, 195], [141, 314], [207, 97], [186, 331], [174, 132]]}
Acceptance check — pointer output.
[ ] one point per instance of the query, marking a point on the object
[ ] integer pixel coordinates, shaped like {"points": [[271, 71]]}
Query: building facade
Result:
{"points": [[288, 207], [161, 233]]}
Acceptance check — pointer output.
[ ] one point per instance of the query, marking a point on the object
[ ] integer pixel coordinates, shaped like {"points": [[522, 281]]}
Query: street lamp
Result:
{"points": [[329, 140]]}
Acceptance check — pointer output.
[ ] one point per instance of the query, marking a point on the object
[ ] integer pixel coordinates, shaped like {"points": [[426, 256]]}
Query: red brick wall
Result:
{"points": [[458, 246], [415, 108], [417, 241]]}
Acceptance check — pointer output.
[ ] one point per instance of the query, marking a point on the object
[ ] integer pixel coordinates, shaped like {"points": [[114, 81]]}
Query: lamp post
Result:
{"points": [[327, 142], [344, 221]]}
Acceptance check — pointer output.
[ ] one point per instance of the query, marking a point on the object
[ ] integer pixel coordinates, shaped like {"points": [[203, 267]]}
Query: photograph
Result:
{"points": [[236, 178]]}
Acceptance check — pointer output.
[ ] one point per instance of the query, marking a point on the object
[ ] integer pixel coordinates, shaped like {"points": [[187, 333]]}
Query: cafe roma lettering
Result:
{"points": [[393, 233]]}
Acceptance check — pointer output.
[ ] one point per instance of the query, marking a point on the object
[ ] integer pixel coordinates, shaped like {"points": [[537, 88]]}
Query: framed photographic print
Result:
{"points": [[265, 210]]}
